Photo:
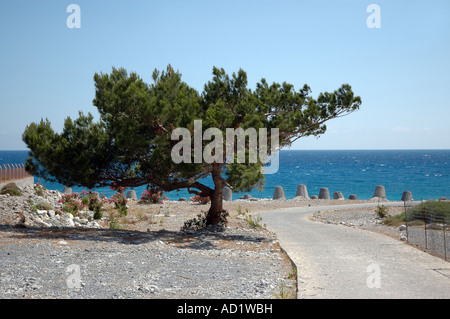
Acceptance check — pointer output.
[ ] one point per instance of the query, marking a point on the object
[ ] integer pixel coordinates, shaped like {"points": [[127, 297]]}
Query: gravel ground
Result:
{"points": [[149, 257], [237, 263], [363, 218]]}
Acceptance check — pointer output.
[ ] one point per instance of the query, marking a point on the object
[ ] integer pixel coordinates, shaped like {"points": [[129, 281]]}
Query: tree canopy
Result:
{"points": [[131, 144]]}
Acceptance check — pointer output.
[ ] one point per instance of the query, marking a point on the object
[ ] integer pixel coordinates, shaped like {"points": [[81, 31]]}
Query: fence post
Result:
{"points": [[445, 242], [425, 222], [444, 226], [406, 223]]}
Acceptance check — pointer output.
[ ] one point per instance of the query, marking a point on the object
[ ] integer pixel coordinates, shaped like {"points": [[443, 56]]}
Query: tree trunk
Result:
{"points": [[216, 197]]}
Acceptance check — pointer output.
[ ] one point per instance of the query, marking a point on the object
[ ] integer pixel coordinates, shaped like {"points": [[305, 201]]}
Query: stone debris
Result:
{"points": [[18, 211]]}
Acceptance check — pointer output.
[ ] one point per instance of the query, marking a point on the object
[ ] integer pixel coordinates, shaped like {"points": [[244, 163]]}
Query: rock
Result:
{"points": [[227, 194], [380, 192], [246, 196], [41, 212], [324, 193], [83, 221], [338, 195], [95, 225], [403, 238], [407, 196], [86, 213], [313, 197], [67, 191], [279, 193], [182, 199], [68, 223], [302, 191], [51, 213], [263, 283], [131, 194], [40, 223], [402, 227], [353, 197], [147, 289]]}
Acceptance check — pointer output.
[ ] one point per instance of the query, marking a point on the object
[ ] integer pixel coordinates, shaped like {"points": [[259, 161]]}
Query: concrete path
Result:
{"points": [[335, 261]]}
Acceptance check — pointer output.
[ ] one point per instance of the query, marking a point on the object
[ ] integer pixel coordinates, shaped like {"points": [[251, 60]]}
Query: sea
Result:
{"points": [[425, 173]]}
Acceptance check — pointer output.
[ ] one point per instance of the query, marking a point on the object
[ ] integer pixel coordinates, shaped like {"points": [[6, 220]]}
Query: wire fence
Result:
{"points": [[428, 226], [11, 172]]}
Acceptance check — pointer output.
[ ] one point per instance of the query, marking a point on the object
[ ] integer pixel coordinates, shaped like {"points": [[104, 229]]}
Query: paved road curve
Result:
{"points": [[341, 262]]}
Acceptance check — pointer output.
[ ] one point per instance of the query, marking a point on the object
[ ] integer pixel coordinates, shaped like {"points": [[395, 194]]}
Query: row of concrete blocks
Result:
{"points": [[324, 193], [302, 191]]}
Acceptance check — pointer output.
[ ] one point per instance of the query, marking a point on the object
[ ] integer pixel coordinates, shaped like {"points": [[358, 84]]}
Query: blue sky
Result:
{"points": [[401, 70]]}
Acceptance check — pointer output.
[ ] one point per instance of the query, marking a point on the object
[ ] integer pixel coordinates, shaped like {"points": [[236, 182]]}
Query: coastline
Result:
{"points": [[423, 172]]}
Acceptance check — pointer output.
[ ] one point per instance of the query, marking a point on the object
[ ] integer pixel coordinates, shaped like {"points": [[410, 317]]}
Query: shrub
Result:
{"points": [[395, 220], [96, 204], [113, 221], [120, 202], [382, 211], [71, 203], [430, 211], [12, 189], [152, 196], [254, 222], [44, 206], [201, 200], [85, 201], [39, 189], [98, 214], [93, 203], [200, 221]]}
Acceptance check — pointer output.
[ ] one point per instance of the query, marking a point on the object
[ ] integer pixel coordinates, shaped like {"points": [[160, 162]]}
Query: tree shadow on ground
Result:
{"points": [[200, 239]]}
